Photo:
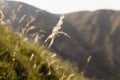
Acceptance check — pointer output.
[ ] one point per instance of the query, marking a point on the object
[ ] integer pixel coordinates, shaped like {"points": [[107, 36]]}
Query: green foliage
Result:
{"points": [[20, 60]]}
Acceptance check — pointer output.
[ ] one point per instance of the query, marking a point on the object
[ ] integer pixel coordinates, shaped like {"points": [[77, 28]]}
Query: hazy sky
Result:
{"points": [[65, 6]]}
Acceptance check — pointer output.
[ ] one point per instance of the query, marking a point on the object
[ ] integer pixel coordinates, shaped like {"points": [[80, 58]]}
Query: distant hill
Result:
{"points": [[93, 34]]}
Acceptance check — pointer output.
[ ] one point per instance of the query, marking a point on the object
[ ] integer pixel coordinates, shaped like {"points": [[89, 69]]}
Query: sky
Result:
{"points": [[67, 6]]}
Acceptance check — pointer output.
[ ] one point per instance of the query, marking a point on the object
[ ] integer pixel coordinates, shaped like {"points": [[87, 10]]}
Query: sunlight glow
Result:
{"points": [[66, 6]]}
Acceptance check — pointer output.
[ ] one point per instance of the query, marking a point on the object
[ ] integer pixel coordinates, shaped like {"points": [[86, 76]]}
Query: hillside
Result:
{"points": [[21, 60], [93, 34]]}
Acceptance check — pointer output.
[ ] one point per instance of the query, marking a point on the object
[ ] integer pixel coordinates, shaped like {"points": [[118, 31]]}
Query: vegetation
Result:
{"points": [[21, 60], [93, 44]]}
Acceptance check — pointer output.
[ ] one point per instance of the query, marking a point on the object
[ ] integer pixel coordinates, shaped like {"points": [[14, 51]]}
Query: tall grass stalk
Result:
{"points": [[56, 31]]}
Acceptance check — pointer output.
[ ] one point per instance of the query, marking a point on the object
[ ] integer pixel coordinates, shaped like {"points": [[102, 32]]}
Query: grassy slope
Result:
{"points": [[15, 63]]}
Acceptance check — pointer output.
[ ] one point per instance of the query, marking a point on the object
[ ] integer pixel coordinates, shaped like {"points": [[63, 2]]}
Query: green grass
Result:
{"points": [[15, 63]]}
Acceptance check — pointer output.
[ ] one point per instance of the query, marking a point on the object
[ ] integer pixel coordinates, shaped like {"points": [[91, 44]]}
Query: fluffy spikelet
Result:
{"points": [[22, 18], [56, 31], [89, 58], [70, 76], [19, 7], [1, 14], [63, 77], [2, 22], [36, 38], [31, 20], [31, 58]]}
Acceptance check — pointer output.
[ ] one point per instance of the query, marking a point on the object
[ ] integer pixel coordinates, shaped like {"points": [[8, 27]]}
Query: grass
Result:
{"points": [[21, 60]]}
